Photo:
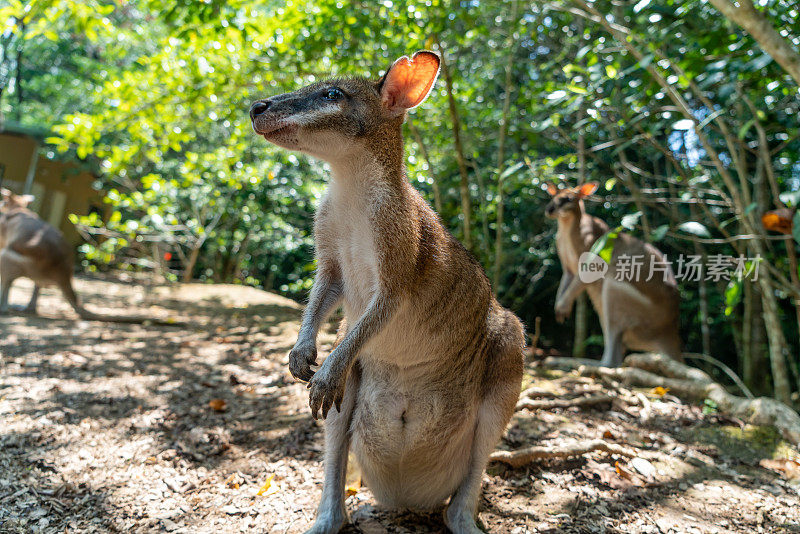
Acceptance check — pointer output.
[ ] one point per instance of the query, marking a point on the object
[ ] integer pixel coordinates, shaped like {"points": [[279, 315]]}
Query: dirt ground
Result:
{"points": [[111, 428]]}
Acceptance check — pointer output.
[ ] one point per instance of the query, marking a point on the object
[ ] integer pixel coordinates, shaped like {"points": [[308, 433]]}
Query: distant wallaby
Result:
{"points": [[428, 365], [31, 248], [640, 313]]}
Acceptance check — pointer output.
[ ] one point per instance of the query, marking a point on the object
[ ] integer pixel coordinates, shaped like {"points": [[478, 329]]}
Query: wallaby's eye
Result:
{"points": [[333, 94]]}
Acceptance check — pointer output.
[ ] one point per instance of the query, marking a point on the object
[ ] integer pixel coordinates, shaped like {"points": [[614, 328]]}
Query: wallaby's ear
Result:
{"points": [[552, 189], [587, 189], [24, 200], [408, 81]]}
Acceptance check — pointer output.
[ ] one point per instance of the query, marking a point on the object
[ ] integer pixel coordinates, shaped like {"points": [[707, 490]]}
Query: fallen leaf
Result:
{"points": [[234, 480], [267, 488], [659, 391], [218, 405], [790, 469], [628, 475]]}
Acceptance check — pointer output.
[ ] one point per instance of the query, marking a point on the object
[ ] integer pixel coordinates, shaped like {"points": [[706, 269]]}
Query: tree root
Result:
{"points": [[546, 404], [522, 457], [652, 370]]}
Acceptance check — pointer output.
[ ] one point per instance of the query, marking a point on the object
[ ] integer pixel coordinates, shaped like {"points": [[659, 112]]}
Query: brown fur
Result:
{"points": [[427, 372], [638, 314], [31, 248]]}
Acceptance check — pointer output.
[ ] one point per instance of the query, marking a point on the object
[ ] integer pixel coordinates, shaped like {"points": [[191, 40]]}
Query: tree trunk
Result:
{"points": [[757, 372], [778, 349], [581, 326], [756, 24], [581, 307], [437, 195], [190, 264], [501, 150], [466, 203]]}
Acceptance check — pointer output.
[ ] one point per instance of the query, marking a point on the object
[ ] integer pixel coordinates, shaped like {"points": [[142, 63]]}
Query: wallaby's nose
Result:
{"points": [[258, 107]]}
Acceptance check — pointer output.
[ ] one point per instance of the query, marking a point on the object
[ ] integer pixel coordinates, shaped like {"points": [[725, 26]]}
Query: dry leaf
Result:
{"points": [[659, 391], [218, 405], [790, 469], [779, 220], [349, 491], [267, 488], [628, 475], [234, 480]]}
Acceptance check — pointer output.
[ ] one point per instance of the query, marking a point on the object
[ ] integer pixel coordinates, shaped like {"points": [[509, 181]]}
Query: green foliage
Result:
{"points": [[154, 96]]}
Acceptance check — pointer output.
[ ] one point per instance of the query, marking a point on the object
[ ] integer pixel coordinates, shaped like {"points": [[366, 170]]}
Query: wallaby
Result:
{"points": [[428, 365], [638, 314], [31, 248]]}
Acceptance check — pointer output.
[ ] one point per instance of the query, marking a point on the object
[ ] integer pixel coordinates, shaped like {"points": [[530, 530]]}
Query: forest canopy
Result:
{"points": [[686, 113]]}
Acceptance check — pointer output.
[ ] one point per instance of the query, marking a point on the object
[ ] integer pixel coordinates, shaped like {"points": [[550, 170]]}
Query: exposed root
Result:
{"points": [[652, 370], [546, 404], [522, 457]]}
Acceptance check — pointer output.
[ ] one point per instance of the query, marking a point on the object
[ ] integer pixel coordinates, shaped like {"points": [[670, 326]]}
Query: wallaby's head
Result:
{"points": [[569, 201], [332, 119], [9, 201]]}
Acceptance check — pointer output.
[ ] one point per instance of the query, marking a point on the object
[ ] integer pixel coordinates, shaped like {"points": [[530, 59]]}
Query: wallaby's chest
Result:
{"points": [[349, 227], [568, 254]]}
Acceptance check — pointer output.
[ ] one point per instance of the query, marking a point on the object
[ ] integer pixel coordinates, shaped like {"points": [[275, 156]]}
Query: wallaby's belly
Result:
{"points": [[412, 437]]}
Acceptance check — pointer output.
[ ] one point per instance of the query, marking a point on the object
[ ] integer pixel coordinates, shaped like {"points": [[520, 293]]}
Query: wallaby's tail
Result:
{"points": [[86, 315]]}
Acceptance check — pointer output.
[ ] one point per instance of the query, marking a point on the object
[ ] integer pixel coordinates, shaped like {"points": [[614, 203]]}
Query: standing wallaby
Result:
{"points": [[31, 248], [638, 314], [428, 365]]}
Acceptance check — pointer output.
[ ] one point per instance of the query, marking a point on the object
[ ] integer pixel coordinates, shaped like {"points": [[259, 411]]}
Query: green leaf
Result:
{"points": [[745, 128], [577, 89], [611, 72], [604, 246], [733, 295], [659, 233]]}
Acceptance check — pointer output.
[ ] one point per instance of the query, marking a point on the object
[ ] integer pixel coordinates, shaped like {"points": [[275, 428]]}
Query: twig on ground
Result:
{"points": [[541, 404], [653, 370], [522, 457]]}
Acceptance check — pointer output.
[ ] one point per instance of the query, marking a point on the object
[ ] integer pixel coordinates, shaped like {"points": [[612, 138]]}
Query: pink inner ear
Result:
{"points": [[409, 80]]}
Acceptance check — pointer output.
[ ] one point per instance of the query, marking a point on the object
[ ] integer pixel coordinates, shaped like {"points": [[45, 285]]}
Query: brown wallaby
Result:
{"points": [[31, 248], [637, 312], [428, 365]]}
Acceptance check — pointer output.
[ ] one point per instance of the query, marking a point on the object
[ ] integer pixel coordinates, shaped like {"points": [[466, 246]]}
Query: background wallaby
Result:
{"points": [[639, 314], [31, 248], [429, 365]]}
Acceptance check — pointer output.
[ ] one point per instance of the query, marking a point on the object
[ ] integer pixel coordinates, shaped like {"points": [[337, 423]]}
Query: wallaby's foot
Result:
{"points": [[328, 522], [460, 522], [21, 310]]}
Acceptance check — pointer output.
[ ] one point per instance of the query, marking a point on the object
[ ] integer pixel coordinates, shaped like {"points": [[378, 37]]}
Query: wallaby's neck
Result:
{"points": [[572, 228], [381, 157]]}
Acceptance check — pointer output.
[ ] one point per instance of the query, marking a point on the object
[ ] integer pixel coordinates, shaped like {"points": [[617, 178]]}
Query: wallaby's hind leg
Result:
{"points": [[331, 513], [31, 307], [10, 270], [493, 414], [614, 350], [613, 329], [5, 287]]}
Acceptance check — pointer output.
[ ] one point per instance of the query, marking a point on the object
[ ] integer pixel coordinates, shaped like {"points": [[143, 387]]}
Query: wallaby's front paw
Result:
{"points": [[562, 312], [301, 358], [326, 389]]}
